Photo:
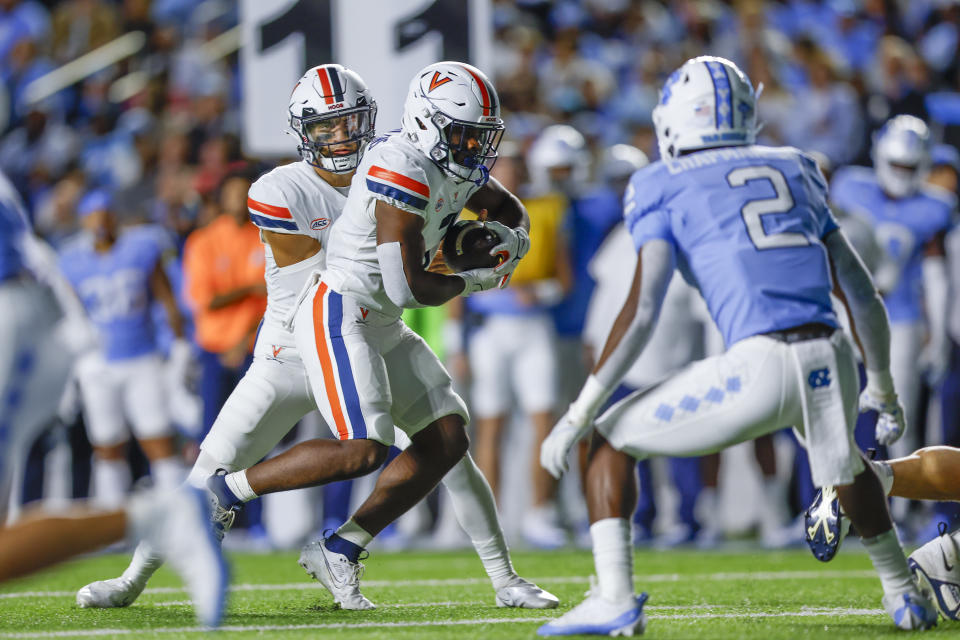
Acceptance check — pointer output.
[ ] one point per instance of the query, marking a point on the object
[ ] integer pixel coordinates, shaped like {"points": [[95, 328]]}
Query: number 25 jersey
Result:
{"points": [[747, 224]]}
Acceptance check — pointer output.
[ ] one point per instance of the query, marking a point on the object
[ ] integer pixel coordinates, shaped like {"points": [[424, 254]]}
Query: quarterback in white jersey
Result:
{"points": [[333, 114]]}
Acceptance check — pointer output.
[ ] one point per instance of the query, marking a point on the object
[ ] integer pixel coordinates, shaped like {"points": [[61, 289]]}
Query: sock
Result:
{"points": [[885, 473], [613, 558], [888, 559], [238, 484], [349, 540], [111, 482], [476, 511], [706, 509], [145, 561], [168, 473]]}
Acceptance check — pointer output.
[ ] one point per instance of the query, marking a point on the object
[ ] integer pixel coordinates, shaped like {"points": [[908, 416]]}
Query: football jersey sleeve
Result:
{"points": [[270, 209], [815, 186], [398, 180], [643, 210]]}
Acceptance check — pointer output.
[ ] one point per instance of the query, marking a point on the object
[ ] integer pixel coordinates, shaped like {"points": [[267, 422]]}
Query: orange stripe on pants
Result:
{"points": [[320, 336]]}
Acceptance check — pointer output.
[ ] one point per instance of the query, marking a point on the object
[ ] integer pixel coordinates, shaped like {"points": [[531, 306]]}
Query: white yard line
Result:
{"points": [[806, 612], [453, 582]]}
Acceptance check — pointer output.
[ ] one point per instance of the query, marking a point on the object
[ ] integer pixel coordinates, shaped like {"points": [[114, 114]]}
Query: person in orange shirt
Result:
{"points": [[223, 265]]}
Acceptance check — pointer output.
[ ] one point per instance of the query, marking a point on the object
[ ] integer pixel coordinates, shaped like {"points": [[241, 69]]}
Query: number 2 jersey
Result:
{"points": [[394, 171], [293, 199], [747, 224]]}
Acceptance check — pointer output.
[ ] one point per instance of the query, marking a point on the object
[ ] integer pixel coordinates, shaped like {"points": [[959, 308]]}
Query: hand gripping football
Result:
{"points": [[467, 245]]}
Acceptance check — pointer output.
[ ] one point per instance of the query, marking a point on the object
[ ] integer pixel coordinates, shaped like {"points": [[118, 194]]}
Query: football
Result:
{"points": [[467, 245]]}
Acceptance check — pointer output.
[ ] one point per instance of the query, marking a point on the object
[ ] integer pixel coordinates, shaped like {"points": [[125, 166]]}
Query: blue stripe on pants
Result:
{"points": [[350, 396]]}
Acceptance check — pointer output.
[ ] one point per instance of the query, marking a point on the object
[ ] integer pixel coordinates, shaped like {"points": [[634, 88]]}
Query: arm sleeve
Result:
{"points": [[866, 307], [399, 181], [270, 209], [658, 258]]}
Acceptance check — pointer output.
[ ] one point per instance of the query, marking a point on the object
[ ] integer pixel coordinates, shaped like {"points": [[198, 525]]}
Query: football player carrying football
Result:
{"points": [[332, 115], [750, 227]]}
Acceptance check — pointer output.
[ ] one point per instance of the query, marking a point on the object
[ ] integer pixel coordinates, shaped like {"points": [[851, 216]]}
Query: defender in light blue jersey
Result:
{"points": [[117, 276], [909, 222], [750, 227]]}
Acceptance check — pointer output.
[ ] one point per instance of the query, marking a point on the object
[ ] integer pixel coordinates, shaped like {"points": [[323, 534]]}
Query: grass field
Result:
{"points": [[445, 595]]}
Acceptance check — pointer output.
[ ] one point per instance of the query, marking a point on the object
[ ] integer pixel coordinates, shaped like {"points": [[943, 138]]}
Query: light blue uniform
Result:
{"points": [[115, 290], [903, 228], [747, 224]]}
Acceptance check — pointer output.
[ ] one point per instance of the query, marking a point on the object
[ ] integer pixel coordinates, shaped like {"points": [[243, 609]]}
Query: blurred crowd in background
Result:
{"points": [[156, 140]]}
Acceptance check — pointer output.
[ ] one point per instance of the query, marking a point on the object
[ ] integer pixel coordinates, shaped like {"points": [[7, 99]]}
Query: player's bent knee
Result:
{"points": [[445, 440], [370, 454]]}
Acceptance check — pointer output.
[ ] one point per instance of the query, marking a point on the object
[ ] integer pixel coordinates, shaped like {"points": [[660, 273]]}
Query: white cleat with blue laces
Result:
{"points": [[936, 569], [911, 611], [597, 616]]}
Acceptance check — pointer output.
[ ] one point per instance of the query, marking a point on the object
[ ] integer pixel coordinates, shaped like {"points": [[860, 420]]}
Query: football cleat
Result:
{"points": [[109, 594], [911, 611], [825, 525], [337, 573], [181, 531], [523, 594], [225, 505], [936, 569], [122, 591], [596, 616]]}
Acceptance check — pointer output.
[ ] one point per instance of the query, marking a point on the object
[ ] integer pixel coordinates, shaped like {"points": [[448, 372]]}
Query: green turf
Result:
{"points": [[692, 595]]}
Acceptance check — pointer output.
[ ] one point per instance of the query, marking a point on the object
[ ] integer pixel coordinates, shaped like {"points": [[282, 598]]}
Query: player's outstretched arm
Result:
{"points": [[871, 325], [400, 251], [627, 339]]}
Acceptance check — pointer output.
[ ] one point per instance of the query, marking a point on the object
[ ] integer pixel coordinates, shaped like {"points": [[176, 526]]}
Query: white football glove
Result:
{"points": [[556, 447], [891, 422], [481, 279], [515, 242]]}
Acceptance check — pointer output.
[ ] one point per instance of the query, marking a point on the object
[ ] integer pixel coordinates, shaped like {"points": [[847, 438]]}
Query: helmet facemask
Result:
{"points": [[335, 142], [466, 149]]}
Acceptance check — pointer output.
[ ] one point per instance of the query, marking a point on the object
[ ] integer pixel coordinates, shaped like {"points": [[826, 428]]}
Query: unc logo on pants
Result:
{"points": [[819, 378]]}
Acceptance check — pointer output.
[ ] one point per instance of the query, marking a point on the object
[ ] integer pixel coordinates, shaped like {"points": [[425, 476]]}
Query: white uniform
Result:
{"points": [[273, 394], [370, 368]]}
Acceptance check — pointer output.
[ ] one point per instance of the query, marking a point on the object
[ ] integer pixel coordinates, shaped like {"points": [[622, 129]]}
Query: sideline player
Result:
{"points": [[332, 114], [750, 225], [41, 331], [116, 275], [370, 369]]}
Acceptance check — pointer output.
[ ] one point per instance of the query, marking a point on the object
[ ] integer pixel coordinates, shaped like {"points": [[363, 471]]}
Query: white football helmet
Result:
{"points": [[332, 114], [558, 146], [620, 161], [452, 114], [901, 155], [707, 102]]}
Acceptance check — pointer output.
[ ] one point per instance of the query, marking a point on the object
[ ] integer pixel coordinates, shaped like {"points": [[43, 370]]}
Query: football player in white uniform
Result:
{"points": [[332, 114], [371, 371]]}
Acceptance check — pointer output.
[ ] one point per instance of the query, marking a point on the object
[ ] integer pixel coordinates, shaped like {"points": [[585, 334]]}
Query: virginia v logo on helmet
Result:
{"points": [[452, 114]]}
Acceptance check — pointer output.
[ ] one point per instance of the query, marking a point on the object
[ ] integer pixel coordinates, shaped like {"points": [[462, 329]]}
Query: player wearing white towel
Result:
{"points": [[751, 227], [332, 114]]}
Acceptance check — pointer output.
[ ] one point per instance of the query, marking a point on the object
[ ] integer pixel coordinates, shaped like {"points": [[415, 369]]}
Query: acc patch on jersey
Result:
{"points": [[318, 224]]}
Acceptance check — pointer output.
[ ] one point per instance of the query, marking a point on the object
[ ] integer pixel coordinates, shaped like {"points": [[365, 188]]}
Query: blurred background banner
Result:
{"points": [[385, 41]]}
